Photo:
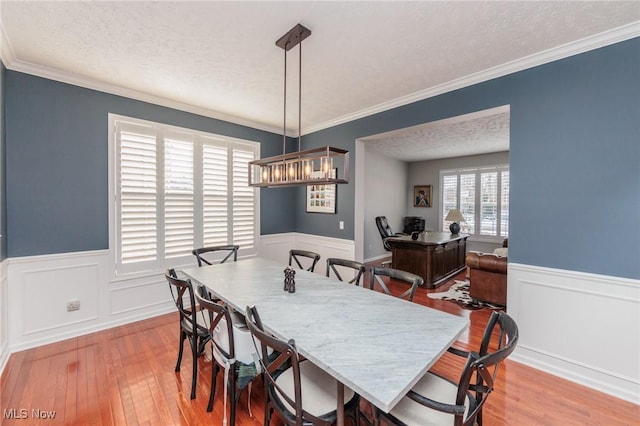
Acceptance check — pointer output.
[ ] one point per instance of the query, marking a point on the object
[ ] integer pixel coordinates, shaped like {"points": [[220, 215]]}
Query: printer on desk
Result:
{"points": [[413, 224]]}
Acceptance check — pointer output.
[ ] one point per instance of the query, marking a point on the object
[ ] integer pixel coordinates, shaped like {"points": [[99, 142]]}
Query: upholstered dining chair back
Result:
{"points": [[232, 349]]}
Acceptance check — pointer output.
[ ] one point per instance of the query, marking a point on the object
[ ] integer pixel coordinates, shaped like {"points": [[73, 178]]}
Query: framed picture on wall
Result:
{"points": [[422, 196], [321, 198]]}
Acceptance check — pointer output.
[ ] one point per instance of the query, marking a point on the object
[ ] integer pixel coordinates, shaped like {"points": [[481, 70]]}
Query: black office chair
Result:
{"points": [[386, 232], [191, 326], [296, 255], [332, 262], [297, 390], [413, 280], [439, 400], [205, 255]]}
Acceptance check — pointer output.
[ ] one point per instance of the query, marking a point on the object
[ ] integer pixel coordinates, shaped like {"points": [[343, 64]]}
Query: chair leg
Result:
{"points": [[234, 395], [194, 353], [214, 377], [183, 336]]}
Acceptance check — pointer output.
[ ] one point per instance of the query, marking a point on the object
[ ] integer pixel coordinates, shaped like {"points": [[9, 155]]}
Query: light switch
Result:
{"points": [[341, 224]]}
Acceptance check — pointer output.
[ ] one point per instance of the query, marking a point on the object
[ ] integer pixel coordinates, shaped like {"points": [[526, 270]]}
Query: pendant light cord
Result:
{"points": [[284, 125], [299, 96]]}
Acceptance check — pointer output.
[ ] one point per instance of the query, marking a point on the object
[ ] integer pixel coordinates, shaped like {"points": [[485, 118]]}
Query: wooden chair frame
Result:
{"points": [[478, 375], [287, 357], [414, 280], [232, 249], [332, 262], [294, 254], [189, 328], [217, 312]]}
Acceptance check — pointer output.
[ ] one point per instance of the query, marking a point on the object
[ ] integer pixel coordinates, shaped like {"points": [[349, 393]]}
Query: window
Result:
{"points": [[175, 189], [482, 195]]}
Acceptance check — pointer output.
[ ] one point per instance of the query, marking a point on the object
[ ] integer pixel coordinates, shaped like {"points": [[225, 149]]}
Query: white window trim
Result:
{"points": [[185, 261], [477, 170]]}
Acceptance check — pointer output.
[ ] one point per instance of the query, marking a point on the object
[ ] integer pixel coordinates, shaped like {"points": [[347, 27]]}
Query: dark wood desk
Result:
{"points": [[435, 256]]}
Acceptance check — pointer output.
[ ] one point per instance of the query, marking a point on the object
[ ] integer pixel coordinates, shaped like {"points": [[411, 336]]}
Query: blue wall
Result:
{"points": [[574, 158], [57, 163], [3, 186], [575, 161]]}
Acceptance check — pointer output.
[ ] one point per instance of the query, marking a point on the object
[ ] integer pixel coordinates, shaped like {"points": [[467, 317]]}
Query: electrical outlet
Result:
{"points": [[73, 305], [342, 224]]}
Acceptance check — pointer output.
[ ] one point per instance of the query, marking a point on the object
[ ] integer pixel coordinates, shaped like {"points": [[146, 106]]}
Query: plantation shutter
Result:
{"points": [[215, 193], [243, 198], [178, 197], [137, 193], [177, 189], [504, 204], [449, 197], [482, 195], [489, 203], [468, 201]]}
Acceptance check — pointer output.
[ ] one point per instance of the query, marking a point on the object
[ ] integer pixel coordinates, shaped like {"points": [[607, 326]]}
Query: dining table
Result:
{"points": [[377, 345]]}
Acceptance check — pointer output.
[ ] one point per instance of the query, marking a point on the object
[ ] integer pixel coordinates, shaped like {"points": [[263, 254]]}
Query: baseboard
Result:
{"points": [[578, 326], [376, 258]]}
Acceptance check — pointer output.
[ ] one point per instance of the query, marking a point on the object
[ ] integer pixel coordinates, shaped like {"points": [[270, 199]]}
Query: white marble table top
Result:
{"points": [[375, 344]]}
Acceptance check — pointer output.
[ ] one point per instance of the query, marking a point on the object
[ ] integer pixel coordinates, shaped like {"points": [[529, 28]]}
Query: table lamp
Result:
{"points": [[456, 216]]}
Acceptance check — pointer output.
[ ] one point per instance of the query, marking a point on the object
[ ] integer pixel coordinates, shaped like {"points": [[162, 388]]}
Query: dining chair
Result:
{"points": [[376, 274], [298, 391], [436, 399], [191, 326], [233, 351], [359, 269], [296, 255], [206, 255]]}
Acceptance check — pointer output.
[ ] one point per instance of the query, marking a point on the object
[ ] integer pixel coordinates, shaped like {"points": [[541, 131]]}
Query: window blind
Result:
{"points": [[175, 190]]}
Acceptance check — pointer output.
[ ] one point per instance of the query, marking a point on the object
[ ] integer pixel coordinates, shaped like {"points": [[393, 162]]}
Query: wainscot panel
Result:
{"points": [[39, 288], [4, 316], [579, 326], [277, 246]]}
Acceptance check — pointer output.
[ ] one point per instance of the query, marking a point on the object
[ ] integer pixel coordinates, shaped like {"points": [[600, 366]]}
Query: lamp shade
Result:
{"points": [[454, 215]]}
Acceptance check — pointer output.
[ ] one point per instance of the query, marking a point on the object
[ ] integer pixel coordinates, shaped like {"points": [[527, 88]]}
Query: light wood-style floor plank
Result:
{"points": [[125, 376]]}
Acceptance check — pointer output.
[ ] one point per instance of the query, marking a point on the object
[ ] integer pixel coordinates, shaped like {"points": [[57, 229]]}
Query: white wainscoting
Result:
{"points": [[39, 288], [579, 326], [35, 290], [582, 327], [4, 316], [277, 247]]}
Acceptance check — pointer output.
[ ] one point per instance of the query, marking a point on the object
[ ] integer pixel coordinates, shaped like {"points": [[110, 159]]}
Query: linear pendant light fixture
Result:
{"points": [[325, 165]]}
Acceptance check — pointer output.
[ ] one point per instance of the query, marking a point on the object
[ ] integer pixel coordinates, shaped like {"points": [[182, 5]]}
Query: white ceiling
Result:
{"points": [[219, 58]]}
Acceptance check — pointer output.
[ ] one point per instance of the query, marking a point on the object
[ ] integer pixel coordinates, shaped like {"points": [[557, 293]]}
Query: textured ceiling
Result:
{"points": [[220, 59], [481, 132]]}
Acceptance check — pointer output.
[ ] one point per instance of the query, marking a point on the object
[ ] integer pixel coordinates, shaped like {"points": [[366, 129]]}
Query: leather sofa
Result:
{"points": [[488, 276]]}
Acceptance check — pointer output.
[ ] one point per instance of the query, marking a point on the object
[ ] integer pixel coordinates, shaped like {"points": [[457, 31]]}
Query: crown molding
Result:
{"points": [[586, 44], [88, 83], [606, 38]]}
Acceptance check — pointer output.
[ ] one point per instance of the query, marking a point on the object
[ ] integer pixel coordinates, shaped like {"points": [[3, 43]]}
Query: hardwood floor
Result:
{"points": [[125, 376]]}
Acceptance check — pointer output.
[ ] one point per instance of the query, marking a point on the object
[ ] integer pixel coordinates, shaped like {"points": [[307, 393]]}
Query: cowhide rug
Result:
{"points": [[459, 293]]}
